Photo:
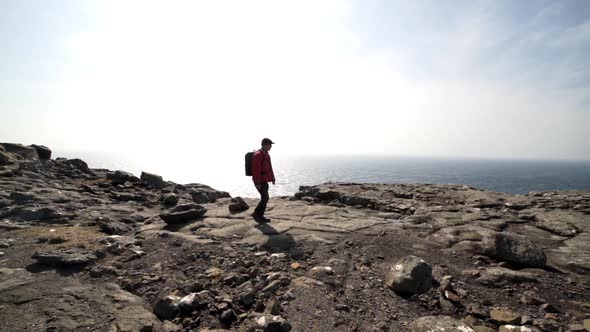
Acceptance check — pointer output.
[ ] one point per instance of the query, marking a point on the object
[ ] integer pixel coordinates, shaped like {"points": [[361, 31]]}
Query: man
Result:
{"points": [[262, 174]]}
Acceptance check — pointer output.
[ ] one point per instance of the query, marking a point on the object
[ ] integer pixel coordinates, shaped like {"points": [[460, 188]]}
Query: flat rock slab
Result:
{"points": [[69, 257], [46, 301]]}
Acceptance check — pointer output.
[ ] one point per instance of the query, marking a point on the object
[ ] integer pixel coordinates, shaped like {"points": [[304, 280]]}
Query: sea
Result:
{"points": [[500, 175]]}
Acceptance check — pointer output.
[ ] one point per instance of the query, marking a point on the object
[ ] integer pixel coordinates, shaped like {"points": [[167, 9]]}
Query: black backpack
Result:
{"points": [[248, 160]]}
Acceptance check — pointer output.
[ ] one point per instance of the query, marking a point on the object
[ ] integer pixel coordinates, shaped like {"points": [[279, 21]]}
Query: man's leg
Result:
{"points": [[261, 208]]}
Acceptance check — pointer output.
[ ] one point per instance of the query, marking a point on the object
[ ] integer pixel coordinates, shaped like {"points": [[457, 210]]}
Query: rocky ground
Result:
{"points": [[96, 250]]}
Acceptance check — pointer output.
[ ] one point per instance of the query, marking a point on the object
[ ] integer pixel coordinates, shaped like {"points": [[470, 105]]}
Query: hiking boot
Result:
{"points": [[258, 218], [264, 219]]}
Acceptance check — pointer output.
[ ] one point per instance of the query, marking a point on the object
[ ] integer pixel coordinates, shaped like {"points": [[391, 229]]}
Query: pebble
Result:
{"points": [[280, 255]]}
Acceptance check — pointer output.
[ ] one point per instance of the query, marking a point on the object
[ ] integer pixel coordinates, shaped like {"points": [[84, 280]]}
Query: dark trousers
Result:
{"points": [[261, 208]]}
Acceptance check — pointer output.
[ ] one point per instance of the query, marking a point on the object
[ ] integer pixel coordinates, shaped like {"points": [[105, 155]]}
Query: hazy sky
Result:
{"points": [[468, 78]]}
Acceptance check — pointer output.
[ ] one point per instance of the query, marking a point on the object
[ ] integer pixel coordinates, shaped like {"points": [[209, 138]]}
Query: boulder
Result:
{"points": [[439, 323], [513, 248], [113, 227], [152, 180], [120, 177], [195, 301], [43, 152], [228, 316], [203, 197], [25, 152], [271, 323], [77, 164], [238, 205], [167, 307], [67, 257], [183, 213], [170, 199], [410, 275]]}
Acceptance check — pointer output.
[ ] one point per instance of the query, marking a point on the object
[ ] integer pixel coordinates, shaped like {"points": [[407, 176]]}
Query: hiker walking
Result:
{"points": [[262, 174]]}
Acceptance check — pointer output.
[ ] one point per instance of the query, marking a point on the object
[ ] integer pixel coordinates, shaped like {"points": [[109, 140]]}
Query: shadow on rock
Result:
{"points": [[173, 227], [277, 241], [63, 271]]}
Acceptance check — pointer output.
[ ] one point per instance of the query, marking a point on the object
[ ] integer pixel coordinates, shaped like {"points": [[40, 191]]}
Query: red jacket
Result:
{"points": [[262, 167]]}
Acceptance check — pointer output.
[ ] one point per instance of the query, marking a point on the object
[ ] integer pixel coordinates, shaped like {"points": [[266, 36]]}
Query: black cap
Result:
{"points": [[266, 141]]}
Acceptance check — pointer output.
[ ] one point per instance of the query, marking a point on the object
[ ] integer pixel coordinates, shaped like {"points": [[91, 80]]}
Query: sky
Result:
{"points": [[204, 79]]}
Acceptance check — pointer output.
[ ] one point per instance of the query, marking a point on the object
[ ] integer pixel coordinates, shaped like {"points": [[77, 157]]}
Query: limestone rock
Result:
{"points": [[113, 227], [228, 316], [70, 303], [25, 152], [498, 276], [45, 214], [120, 177], [478, 310], [167, 307], [77, 166], [204, 196], [183, 213], [195, 301], [238, 205], [439, 323], [410, 275], [6, 158], [273, 306], [323, 273], [43, 152], [270, 323], [529, 297], [513, 248], [102, 270], [152, 180], [67, 257], [170, 199], [504, 316]]}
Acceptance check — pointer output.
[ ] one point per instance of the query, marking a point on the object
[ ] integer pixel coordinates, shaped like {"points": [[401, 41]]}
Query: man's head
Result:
{"points": [[267, 144]]}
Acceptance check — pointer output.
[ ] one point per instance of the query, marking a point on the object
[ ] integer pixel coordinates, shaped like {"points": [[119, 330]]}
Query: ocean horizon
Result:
{"points": [[516, 176]]}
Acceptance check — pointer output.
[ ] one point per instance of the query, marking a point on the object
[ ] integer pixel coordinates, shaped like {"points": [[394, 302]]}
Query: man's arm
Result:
{"points": [[272, 172]]}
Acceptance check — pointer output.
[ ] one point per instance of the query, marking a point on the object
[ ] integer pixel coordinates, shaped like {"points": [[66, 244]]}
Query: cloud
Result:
{"points": [[476, 78]]}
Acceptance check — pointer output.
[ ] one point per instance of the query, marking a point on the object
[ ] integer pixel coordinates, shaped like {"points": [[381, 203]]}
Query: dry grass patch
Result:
{"points": [[74, 236]]}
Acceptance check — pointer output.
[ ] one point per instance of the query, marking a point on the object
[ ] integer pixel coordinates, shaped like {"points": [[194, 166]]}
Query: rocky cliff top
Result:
{"points": [[100, 250]]}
